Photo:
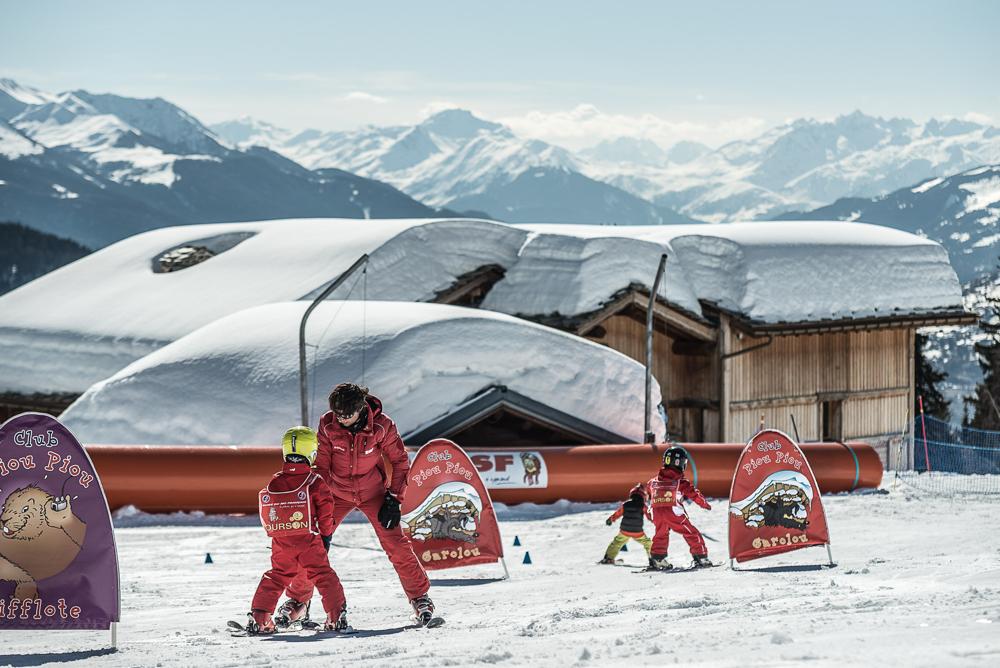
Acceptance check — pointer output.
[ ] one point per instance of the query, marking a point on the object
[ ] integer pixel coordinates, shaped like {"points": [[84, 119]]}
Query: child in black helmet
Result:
{"points": [[667, 491], [632, 513]]}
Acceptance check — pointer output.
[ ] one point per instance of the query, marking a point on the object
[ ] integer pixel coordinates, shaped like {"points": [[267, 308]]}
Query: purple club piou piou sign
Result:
{"points": [[58, 561]]}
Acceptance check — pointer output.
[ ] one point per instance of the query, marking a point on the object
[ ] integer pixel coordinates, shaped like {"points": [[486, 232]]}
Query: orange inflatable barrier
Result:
{"points": [[225, 479]]}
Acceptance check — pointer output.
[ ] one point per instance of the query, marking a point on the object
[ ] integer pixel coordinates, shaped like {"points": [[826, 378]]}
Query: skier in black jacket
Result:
{"points": [[632, 513]]}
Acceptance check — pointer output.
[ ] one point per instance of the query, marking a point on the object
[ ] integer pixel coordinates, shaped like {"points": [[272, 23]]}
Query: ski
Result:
{"points": [[429, 622], [238, 630], [676, 569]]}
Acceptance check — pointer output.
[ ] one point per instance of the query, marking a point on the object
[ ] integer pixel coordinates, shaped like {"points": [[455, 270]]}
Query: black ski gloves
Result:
{"points": [[388, 514], [326, 542]]}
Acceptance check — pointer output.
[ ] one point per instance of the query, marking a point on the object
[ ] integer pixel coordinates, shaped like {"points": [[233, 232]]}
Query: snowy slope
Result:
{"points": [[13, 144], [769, 272], [895, 598], [236, 380]]}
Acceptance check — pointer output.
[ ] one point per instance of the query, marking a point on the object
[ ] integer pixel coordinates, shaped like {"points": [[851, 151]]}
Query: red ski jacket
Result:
{"points": [[669, 487], [352, 463], [290, 477]]}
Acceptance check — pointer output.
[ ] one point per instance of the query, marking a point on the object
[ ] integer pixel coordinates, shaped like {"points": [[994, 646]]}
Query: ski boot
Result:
{"points": [[259, 622], [290, 612], [702, 561], [607, 560], [658, 562], [338, 622], [423, 608]]}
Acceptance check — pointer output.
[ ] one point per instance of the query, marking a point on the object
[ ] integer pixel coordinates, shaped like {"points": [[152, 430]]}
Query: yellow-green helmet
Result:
{"points": [[300, 441]]}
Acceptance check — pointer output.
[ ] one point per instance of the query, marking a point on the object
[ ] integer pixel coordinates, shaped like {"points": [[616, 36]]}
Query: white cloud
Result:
{"points": [[976, 117], [586, 125], [361, 96]]}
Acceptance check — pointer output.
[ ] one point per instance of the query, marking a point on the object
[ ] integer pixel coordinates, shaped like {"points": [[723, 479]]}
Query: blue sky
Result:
{"points": [[570, 72]]}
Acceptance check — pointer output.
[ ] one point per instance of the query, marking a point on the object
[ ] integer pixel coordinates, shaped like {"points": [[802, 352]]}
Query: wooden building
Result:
{"points": [[720, 373]]}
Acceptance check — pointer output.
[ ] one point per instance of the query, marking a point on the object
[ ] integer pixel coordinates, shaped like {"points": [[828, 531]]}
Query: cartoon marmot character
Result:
{"points": [[39, 537], [532, 468]]}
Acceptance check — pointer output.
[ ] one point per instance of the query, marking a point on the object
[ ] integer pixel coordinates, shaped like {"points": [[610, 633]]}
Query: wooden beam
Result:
{"points": [[748, 404], [663, 314]]}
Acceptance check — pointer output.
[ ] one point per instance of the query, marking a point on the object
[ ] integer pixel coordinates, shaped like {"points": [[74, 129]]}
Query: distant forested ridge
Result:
{"points": [[26, 254]]}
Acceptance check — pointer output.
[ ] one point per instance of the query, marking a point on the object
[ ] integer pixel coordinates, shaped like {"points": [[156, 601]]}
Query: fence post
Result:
{"points": [[923, 424]]}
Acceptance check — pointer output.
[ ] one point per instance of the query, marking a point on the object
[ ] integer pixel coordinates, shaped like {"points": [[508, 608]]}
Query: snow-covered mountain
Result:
{"points": [[456, 159], [454, 156], [807, 163], [961, 212], [98, 168], [628, 150]]}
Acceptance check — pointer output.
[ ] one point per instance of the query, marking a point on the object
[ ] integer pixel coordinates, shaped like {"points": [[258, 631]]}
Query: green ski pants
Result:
{"points": [[615, 546]]}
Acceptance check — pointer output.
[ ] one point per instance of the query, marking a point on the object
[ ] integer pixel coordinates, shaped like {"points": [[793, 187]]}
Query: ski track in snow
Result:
{"points": [[902, 593]]}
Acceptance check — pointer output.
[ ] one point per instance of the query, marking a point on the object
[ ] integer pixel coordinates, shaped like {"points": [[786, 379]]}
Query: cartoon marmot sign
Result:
{"points": [[58, 562], [39, 537]]}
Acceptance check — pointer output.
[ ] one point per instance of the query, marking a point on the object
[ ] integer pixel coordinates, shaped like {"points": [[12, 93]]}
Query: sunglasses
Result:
{"points": [[346, 416]]}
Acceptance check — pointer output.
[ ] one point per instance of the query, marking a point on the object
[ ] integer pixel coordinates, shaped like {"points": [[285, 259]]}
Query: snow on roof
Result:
{"points": [[235, 381], [787, 271], [110, 308], [576, 271]]}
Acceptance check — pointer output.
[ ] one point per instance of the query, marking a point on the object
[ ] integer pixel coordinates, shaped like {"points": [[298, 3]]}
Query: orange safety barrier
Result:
{"points": [[225, 479]]}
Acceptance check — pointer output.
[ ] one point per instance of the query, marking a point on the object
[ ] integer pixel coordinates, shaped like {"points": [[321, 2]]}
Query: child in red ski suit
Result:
{"points": [[632, 513], [296, 509], [667, 491]]}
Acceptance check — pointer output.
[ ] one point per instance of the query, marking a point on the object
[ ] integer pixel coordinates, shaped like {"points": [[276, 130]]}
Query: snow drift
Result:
{"points": [[235, 381]]}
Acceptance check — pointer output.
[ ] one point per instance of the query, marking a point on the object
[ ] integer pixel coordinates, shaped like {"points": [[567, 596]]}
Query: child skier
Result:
{"points": [[667, 491], [632, 513], [296, 509]]}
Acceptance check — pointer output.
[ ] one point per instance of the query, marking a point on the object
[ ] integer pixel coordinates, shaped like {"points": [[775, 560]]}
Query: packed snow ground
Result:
{"points": [[917, 584]]}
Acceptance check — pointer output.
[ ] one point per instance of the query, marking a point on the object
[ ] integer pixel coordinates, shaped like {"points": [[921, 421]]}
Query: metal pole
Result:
{"points": [[114, 635], [927, 456], [795, 429], [647, 429], [506, 573], [302, 333]]}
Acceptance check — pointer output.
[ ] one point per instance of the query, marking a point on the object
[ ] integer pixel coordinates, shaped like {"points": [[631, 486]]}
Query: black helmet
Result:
{"points": [[675, 458]]}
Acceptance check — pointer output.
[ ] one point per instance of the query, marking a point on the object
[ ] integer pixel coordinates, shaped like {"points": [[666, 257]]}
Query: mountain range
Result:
{"points": [[99, 168], [454, 158]]}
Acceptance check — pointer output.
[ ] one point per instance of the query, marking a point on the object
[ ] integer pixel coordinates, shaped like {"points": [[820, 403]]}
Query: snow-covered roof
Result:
{"points": [[235, 381], [87, 320]]}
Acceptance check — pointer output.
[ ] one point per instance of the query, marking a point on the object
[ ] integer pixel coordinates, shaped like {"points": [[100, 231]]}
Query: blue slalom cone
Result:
{"points": [[624, 548], [527, 558], [208, 558], [517, 542]]}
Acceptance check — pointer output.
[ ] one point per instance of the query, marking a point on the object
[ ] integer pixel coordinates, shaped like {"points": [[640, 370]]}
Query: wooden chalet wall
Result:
{"points": [[840, 385], [689, 381]]}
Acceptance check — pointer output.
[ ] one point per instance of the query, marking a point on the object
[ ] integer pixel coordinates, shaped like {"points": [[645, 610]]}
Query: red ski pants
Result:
{"points": [[396, 545], [666, 521], [292, 555]]}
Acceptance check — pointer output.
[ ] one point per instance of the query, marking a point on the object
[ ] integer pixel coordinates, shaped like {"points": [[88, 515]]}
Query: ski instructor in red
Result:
{"points": [[353, 437]]}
